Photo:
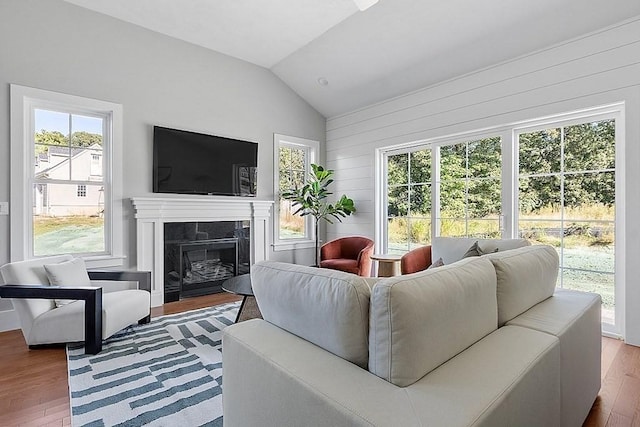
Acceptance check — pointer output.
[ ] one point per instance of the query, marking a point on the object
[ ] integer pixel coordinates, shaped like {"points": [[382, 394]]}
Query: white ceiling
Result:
{"points": [[393, 47]]}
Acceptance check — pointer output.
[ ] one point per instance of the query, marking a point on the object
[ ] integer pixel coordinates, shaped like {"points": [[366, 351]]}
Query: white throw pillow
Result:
{"points": [[71, 273]]}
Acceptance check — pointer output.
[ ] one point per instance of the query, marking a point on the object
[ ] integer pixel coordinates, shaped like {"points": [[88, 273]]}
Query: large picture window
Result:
{"points": [[552, 181], [65, 176]]}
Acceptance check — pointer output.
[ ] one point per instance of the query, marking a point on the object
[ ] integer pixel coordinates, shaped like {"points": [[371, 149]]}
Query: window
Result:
{"points": [[469, 185], [466, 193], [553, 181], [62, 193], [292, 159], [567, 193], [408, 200]]}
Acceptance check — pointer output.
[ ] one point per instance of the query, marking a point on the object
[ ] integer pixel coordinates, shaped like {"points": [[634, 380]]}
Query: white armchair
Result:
{"points": [[93, 316]]}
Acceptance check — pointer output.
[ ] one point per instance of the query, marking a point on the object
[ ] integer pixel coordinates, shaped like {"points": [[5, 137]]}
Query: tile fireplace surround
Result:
{"points": [[151, 213]]}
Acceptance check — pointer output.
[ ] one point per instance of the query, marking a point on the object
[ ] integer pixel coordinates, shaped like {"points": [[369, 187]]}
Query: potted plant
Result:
{"points": [[310, 199]]}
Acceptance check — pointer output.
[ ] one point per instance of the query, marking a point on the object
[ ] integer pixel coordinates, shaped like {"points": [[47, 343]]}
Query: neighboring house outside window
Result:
{"points": [[59, 146], [292, 159]]}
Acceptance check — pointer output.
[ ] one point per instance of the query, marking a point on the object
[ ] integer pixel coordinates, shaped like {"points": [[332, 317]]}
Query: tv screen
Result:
{"points": [[194, 163]]}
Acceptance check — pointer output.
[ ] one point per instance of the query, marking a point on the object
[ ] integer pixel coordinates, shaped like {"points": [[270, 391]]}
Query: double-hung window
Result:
{"points": [[292, 162], [65, 177]]}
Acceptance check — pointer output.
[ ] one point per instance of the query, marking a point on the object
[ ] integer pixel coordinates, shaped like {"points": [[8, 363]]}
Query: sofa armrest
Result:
{"points": [[142, 277], [92, 297], [274, 378]]}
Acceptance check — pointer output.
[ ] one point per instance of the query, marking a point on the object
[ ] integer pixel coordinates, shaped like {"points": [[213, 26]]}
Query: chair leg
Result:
{"points": [[93, 323]]}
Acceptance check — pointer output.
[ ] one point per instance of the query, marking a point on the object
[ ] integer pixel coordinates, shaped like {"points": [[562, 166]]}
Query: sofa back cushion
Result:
{"points": [[421, 320], [452, 249], [526, 276], [326, 307]]}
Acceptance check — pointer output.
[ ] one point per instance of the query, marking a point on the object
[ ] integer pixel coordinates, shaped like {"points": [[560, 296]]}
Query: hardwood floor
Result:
{"points": [[33, 383], [34, 392]]}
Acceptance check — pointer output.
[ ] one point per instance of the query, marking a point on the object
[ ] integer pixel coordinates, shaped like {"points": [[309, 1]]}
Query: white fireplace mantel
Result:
{"points": [[151, 213]]}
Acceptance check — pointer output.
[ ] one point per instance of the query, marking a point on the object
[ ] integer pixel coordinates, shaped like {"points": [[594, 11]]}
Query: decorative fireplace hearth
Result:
{"points": [[153, 213], [200, 256]]}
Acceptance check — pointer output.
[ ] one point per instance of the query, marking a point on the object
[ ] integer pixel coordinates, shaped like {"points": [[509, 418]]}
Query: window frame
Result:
{"points": [[510, 168], [312, 149], [24, 100]]}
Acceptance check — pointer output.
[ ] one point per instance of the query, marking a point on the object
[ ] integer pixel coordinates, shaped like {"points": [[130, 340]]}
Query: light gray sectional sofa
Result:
{"points": [[485, 341]]}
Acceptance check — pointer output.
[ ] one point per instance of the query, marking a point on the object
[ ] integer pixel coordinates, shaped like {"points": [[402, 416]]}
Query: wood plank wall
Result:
{"points": [[596, 69]]}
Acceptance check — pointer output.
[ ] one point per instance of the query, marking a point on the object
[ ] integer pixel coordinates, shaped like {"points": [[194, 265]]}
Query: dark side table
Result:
{"points": [[241, 285]]}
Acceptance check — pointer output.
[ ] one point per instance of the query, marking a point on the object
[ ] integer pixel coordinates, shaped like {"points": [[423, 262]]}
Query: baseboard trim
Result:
{"points": [[9, 320]]}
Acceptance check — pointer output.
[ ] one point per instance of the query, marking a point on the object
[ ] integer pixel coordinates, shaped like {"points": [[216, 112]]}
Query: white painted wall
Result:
{"points": [[596, 69], [54, 45]]}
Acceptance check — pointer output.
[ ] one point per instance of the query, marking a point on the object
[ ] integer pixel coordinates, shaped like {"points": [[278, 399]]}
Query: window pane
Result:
{"points": [[485, 158], [421, 166], [419, 231], [64, 221], [420, 200], [483, 228], [539, 152], [588, 193], [453, 162], [291, 226], [52, 162], [542, 231], [453, 227], [590, 146], [589, 246], [453, 199], [397, 169], [539, 196], [397, 235], [484, 198], [398, 201], [86, 132], [292, 175]]}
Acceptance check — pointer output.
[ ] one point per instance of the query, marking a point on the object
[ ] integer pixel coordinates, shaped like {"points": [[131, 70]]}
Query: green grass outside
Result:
{"points": [[72, 234]]}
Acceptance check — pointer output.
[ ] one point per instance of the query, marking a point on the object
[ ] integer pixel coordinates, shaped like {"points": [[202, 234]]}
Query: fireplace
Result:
{"points": [[200, 256], [208, 230]]}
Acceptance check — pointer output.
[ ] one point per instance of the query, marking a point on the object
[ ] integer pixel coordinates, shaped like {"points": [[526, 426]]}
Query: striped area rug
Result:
{"points": [[165, 373]]}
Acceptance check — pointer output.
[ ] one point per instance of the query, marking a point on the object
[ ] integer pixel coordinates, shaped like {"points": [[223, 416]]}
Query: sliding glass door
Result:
{"points": [[567, 199]]}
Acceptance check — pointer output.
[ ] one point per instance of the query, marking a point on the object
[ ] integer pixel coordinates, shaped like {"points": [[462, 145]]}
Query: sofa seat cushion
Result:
{"points": [[509, 378], [329, 308], [452, 249], [573, 317], [342, 264], [421, 320], [525, 276], [119, 310]]}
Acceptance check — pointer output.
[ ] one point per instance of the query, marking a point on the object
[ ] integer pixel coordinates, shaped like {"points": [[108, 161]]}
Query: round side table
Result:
{"points": [[241, 285], [388, 265]]}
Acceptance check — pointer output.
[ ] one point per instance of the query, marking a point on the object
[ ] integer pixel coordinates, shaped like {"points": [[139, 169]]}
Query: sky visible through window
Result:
{"points": [[56, 121]]}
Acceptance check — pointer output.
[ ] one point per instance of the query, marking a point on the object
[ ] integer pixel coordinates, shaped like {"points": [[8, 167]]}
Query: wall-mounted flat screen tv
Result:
{"points": [[194, 163]]}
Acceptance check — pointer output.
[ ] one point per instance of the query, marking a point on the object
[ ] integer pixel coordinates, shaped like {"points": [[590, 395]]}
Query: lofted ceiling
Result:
{"points": [[339, 58]]}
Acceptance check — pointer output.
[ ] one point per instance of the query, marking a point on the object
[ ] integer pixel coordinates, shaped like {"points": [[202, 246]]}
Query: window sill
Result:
{"points": [[298, 244], [103, 261]]}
